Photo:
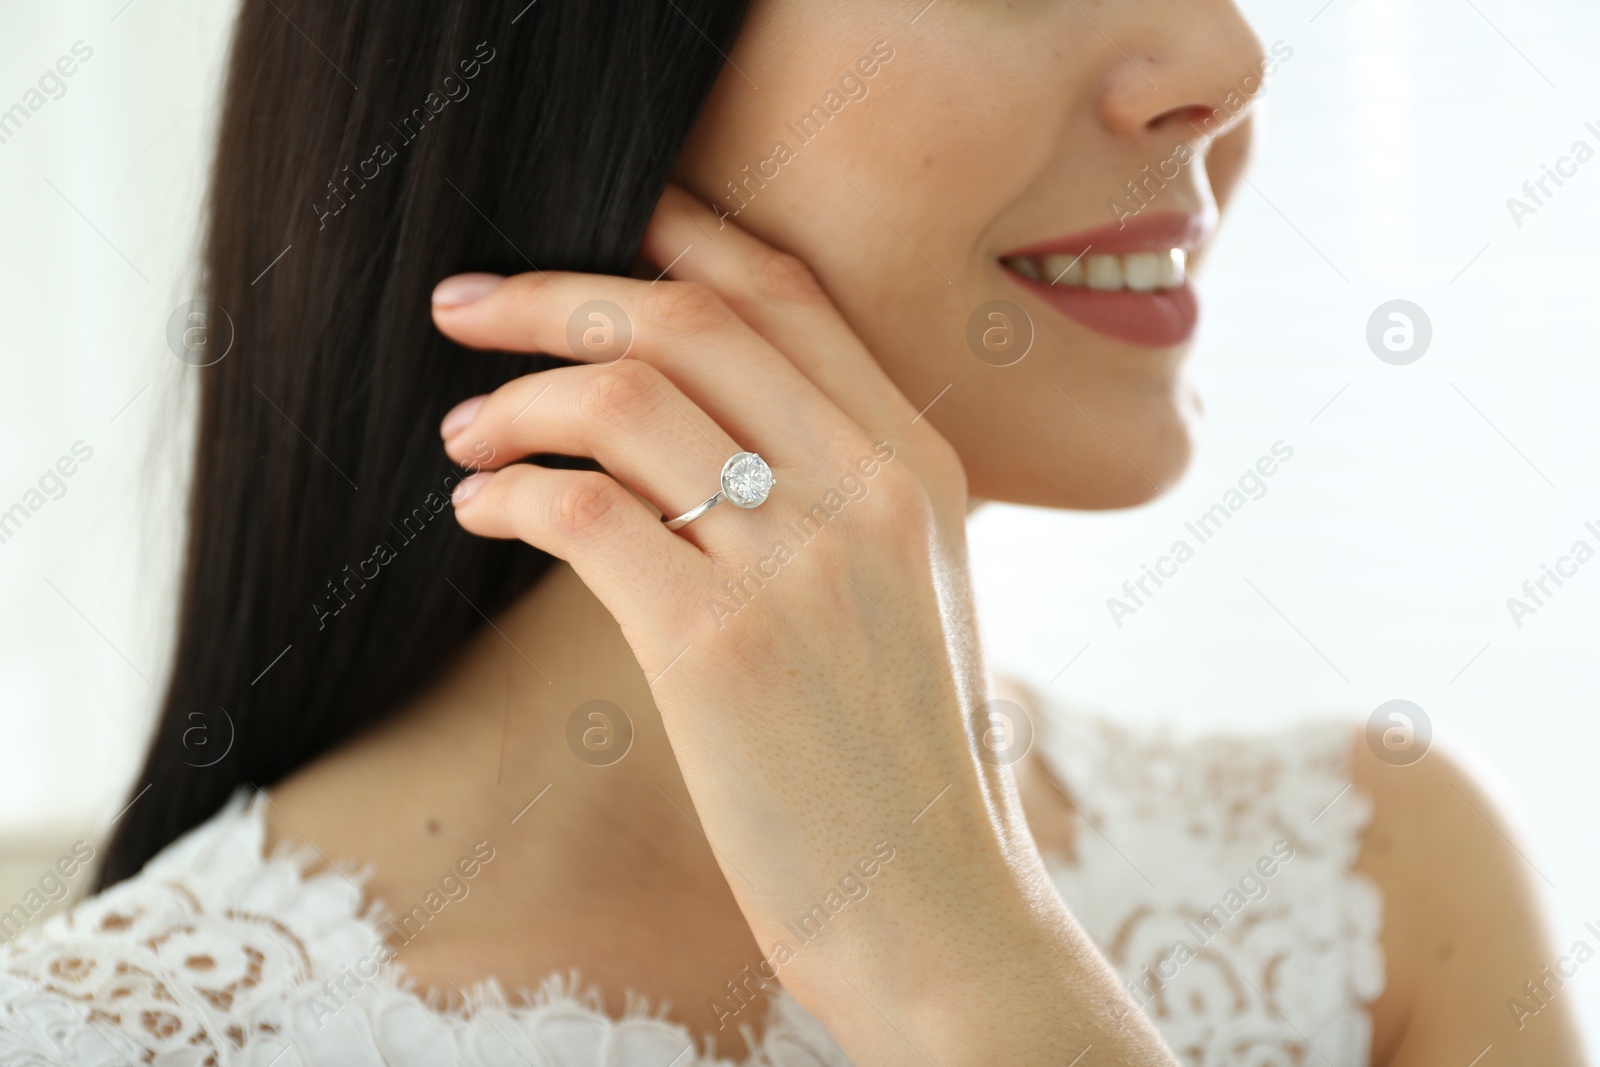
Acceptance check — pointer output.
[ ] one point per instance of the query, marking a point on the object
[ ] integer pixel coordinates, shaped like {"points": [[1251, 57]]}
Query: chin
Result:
{"points": [[1072, 466]]}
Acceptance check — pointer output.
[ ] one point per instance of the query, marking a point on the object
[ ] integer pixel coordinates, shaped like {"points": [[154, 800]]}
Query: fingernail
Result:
{"points": [[468, 488], [462, 289], [460, 417]]}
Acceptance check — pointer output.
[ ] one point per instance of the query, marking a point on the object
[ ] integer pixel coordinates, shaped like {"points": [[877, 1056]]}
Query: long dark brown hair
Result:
{"points": [[366, 150]]}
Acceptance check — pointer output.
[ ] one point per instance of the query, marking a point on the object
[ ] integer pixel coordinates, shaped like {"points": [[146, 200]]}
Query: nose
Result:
{"points": [[1181, 69]]}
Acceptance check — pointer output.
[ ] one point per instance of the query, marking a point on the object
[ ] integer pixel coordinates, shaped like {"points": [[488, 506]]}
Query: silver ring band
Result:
{"points": [[695, 512], [746, 482]]}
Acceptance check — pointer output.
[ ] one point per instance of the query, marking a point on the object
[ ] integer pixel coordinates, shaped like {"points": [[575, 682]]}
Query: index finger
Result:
{"points": [[681, 328], [777, 294]]}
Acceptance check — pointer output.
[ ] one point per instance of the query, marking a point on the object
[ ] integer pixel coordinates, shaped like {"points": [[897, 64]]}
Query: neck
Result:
{"points": [[546, 698], [508, 749]]}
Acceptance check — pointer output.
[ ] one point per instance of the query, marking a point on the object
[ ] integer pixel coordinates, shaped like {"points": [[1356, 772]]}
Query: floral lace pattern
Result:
{"points": [[1215, 874], [216, 954]]}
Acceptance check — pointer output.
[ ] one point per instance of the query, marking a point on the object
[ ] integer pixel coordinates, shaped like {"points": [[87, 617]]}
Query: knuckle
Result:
{"points": [[622, 391], [686, 308], [780, 276], [903, 493], [584, 502], [525, 293]]}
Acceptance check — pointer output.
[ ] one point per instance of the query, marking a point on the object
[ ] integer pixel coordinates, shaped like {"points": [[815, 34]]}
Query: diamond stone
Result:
{"points": [[746, 479]]}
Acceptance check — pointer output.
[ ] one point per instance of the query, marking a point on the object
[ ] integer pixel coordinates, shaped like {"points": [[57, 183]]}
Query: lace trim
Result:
{"points": [[218, 954], [1174, 841], [160, 977]]}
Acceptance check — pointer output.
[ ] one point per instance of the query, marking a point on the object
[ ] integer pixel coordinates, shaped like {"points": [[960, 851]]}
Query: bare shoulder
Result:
{"points": [[1471, 962]]}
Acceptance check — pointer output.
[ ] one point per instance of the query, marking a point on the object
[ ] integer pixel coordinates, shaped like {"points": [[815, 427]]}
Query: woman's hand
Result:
{"points": [[815, 659]]}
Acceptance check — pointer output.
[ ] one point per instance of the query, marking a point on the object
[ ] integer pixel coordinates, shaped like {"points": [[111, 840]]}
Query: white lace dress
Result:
{"points": [[1215, 875]]}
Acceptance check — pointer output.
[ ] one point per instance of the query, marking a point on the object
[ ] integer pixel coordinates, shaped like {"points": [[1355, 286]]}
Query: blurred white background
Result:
{"points": [[1376, 566]]}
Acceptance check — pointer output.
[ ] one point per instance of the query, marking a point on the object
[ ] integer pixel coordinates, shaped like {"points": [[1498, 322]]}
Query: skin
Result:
{"points": [[772, 752]]}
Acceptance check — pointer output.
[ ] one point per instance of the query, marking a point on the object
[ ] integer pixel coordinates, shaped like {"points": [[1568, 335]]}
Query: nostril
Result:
{"points": [[1196, 117]]}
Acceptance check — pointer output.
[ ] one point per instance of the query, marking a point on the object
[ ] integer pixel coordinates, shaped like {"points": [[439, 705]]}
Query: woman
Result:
{"points": [[733, 784]]}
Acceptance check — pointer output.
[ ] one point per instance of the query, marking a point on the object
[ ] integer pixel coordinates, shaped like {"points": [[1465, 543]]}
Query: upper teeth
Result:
{"points": [[1143, 272]]}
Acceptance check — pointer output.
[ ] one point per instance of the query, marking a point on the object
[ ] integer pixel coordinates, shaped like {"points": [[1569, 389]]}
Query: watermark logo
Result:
{"points": [[348, 183], [200, 333], [1531, 201], [1399, 733], [52, 485], [1000, 333], [599, 330], [745, 989], [399, 930], [739, 592], [1005, 732], [1144, 188], [1399, 332], [207, 736], [852, 86], [1537, 591], [599, 733], [1200, 928], [52, 887], [1541, 990], [345, 587], [1252, 485], [51, 85]]}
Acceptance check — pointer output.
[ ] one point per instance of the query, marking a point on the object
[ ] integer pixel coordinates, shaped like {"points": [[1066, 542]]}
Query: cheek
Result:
{"points": [[879, 202], [893, 200], [948, 128]]}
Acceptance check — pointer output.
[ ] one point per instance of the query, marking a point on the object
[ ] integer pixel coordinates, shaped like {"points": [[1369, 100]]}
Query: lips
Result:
{"points": [[1128, 282]]}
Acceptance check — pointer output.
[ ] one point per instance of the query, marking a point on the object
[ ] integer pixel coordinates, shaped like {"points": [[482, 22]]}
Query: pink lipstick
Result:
{"points": [[1127, 281]]}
